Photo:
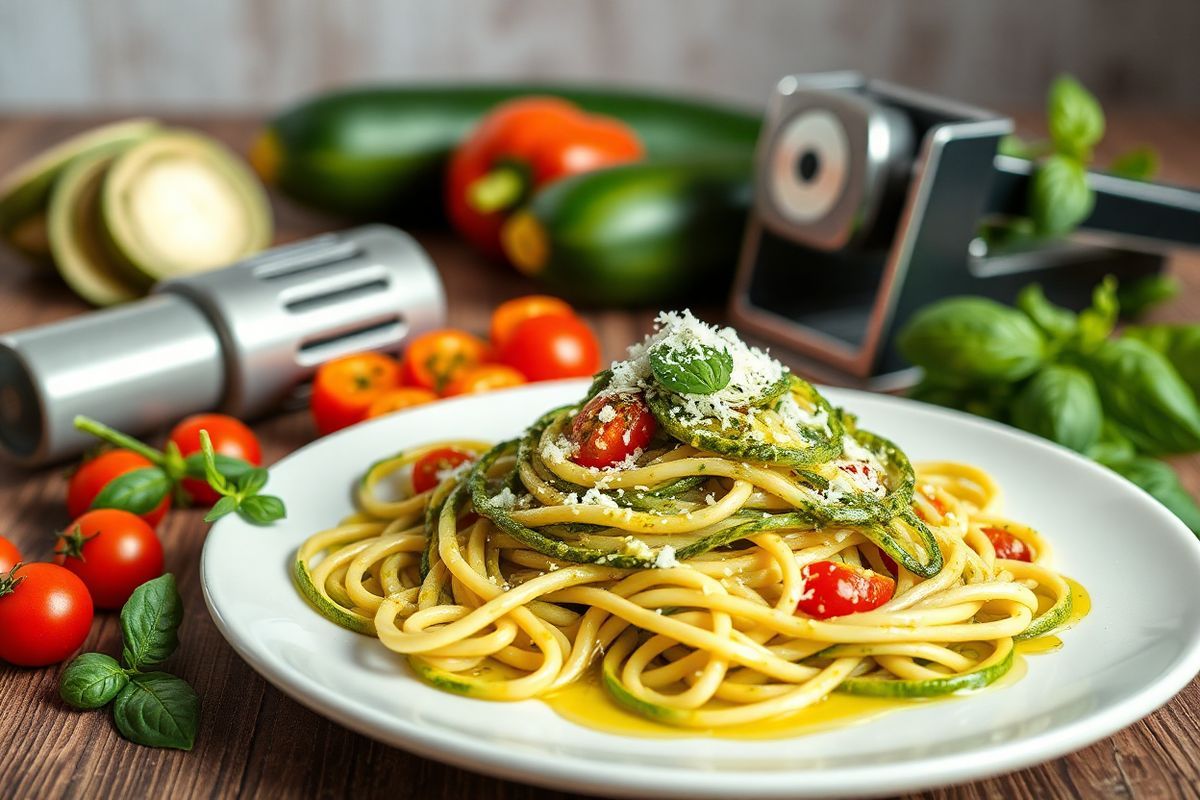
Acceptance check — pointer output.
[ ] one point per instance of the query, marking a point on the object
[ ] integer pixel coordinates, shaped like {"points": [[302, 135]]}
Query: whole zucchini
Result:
{"points": [[380, 152]]}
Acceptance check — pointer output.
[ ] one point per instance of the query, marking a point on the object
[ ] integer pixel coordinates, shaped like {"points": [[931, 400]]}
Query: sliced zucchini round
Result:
{"points": [[179, 203], [990, 670], [25, 191], [75, 237]]}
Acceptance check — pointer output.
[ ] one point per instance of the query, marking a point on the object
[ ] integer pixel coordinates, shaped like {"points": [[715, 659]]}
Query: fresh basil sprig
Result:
{"points": [[155, 709], [240, 494], [695, 369], [973, 340]]}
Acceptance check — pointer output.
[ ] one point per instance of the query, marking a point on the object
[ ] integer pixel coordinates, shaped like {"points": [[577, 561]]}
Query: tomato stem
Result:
{"points": [[115, 437], [497, 190], [9, 580]]}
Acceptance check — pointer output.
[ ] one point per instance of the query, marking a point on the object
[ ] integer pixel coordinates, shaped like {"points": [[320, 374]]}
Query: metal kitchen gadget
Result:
{"points": [[243, 340], [868, 201]]}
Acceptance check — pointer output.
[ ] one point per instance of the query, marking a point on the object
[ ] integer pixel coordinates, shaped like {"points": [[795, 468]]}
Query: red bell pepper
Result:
{"points": [[520, 146]]}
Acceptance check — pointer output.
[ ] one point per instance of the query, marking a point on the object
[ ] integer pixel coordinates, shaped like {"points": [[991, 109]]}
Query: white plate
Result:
{"points": [[1139, 646]]}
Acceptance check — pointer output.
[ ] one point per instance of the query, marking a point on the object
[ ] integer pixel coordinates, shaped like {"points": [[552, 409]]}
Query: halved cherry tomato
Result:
{"points": [[399, 399], [834, 589], [425, 471], [92, 476], [611, 427], [545, 348], [344, 389], [10, 556], [45, 614], [433, 360], [230, 437], [113, 552], [484, 378], [1008, 546], [509, 314], [937, 504]]}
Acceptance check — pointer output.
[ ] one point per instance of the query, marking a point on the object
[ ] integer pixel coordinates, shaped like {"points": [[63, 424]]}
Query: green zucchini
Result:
{"points": [[380, 152], [989, 671]]}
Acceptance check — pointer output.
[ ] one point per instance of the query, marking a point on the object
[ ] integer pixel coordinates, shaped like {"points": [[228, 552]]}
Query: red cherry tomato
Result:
{"points": [[425, 471], [10, 556], [511, 313], [230, 437], [549, 347], [344, 389], [484, 378], [113, 552], [1008, 546], [834, 589], [399, 399], [433, 360], [94, 475], [45, 614], [611, 427]]}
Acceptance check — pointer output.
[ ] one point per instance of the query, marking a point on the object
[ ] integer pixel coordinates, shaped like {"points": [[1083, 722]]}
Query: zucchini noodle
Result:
{"points": [[677, 574]]}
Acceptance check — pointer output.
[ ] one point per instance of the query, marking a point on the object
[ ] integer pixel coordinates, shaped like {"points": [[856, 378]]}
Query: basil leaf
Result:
{"points": [[252, 480], [226, 505], [972, 339], [1112, 446], [1075, 119], [1140, 164], [1161, 483], [91, 681], [1015, 146], [138, 491], [695, 370], [1058, 323], [150, 622], [1180, 344], [1060, 404], [1140, 296], [262, 509], [1059, 195], [232, 468], [158, 710], [1144, 396], [1096, 322]]}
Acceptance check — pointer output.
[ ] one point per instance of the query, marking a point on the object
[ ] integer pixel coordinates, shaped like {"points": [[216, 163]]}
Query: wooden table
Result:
{"points": [[255, 741]]}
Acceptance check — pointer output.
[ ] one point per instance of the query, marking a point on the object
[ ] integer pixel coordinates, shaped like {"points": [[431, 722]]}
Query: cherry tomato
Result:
{"points": [[1008, 546], [937, 504], [484, 378], [545, 348], [433, 360], [10, 556], [398, 400], [45, 614], [230, 437], [344, 389], [425, 471], [508, 315], [94, 475], [113, 552], [834, 589], [611, 427]]}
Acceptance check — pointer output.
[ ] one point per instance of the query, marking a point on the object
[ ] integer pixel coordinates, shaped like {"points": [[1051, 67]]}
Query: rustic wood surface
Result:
{"points": [[254, 741]]}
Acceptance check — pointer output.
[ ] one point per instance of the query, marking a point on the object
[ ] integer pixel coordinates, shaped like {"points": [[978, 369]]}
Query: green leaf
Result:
{"points": [[228, 466], [697, 369], [251, 481], [1060, 403], [1096, 322], [1181, 346], [226, 505], [262, 509], [1015, 146], [150, 622], [1112, 446], [971, 339], [1144, 397], [1140, 296], [92, 680], [1058, 323], [158, 710], [137, 492], [1059, 195], [1161, 483], [1140, 164], [1074, 116]]}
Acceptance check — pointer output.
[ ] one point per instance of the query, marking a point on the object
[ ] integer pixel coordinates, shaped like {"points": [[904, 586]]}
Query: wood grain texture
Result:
{"points": [[256, 742], [254, 54]]}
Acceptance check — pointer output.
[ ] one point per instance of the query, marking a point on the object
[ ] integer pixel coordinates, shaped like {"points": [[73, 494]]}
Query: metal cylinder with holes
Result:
{"points": [[245, 340]]}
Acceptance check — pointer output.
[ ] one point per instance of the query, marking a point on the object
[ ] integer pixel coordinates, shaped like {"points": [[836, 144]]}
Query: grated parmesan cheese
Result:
{"points": [[607, 413], [505, 498], [666, 558], [558, 451]]}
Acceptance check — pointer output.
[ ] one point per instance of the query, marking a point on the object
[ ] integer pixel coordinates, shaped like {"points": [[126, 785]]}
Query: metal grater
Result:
{"points": [[244, 340]]}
